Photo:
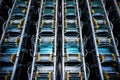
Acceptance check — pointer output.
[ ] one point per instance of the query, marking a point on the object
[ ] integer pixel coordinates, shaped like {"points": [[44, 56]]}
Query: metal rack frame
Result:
{"points": [[81, 41], [94, 39], [22, 34], [37, 37]]}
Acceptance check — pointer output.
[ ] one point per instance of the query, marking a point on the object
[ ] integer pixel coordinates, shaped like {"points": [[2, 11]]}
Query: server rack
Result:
{"points": [[106, 51], [113, 9], [73, 56], [12, 39], [44, 56]]}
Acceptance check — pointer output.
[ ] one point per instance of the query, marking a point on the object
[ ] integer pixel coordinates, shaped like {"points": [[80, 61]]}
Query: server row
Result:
{"points": [[60, 40]]}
